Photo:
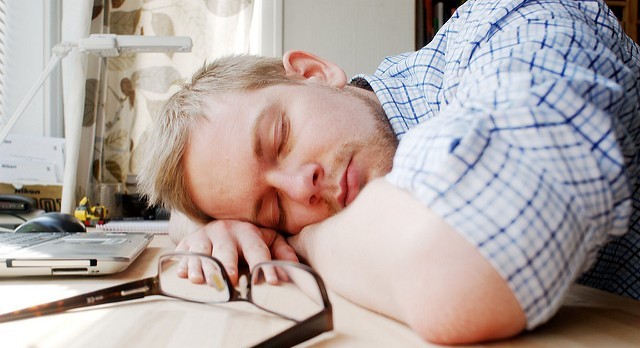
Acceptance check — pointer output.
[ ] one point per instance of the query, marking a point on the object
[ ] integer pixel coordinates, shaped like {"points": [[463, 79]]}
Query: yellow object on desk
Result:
{"points": [[91, 215]]}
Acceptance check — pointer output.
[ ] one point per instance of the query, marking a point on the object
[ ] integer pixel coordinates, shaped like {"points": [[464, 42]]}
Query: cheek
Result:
{"points": [[325, 133]]}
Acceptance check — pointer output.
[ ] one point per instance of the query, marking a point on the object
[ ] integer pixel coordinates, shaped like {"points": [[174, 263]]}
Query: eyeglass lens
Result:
{"points": [[212, 289], [280, 288]]}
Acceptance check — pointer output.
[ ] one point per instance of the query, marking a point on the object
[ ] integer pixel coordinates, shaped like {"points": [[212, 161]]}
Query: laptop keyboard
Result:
{"points": [[15, 241]]}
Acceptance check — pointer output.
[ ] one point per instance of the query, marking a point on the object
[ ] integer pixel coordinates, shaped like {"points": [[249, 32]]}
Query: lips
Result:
{"points": [[344, 187], [349, 186], [352, 183]]}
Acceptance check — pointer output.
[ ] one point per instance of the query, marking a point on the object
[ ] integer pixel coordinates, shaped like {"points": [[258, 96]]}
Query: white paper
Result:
{"points": [[29, 159], [17, 171]]}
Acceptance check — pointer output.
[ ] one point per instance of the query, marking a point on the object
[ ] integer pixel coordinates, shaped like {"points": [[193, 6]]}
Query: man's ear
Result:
{"points": [[308, 66]]}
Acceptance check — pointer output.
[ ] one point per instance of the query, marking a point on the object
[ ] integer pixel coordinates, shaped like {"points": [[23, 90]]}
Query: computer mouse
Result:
{"points": [[52, 222]]}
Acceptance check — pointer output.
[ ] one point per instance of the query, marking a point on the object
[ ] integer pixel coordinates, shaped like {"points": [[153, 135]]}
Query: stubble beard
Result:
{"points": [[382, 142]]}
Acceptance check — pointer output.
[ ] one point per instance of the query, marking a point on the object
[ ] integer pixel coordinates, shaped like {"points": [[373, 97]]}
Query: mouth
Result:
{"points": [[343, 187], [348, 185]]}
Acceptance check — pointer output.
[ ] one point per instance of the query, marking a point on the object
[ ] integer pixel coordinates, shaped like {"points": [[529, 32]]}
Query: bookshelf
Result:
{"points": [[627, 13], [431, 16], [433, 13]]}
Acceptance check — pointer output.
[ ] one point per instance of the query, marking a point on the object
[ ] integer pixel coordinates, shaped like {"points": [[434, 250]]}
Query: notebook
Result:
{"points": [[60, 253], [148, 226]]}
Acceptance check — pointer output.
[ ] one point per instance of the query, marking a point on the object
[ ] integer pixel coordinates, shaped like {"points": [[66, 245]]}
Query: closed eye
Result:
{"points": [[277, 218], [284, 133], [280, 221]]}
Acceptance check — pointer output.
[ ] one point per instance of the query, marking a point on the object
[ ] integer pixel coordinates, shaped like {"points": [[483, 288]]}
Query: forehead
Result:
{"points": [[218, 149]]}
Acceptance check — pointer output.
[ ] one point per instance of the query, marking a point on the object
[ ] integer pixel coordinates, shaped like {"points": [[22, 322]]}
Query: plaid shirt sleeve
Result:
{"points": [[519, 126]]}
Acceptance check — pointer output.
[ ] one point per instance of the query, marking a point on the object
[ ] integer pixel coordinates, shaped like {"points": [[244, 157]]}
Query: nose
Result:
{"points": [[301, 184]]}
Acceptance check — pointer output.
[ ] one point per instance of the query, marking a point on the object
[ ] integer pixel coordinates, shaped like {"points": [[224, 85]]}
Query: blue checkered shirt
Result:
{"points": [[519, 125]]}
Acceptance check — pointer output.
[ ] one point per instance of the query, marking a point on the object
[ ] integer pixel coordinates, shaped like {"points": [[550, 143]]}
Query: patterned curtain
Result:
{"points": [[124, 94]]}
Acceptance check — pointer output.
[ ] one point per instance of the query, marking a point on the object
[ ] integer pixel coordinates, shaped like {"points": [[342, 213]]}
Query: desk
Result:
{"points": [[589, 318]]}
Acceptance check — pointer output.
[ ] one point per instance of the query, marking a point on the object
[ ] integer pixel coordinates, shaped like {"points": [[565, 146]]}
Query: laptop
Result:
{"points": [[63, 253]]}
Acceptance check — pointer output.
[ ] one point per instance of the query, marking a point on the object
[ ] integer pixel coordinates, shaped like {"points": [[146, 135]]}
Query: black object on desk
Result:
{"points": [[16, 204], [135, 206]]}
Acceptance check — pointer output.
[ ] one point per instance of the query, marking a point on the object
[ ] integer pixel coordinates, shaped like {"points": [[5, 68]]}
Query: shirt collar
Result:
{"points": [[403, 103]]}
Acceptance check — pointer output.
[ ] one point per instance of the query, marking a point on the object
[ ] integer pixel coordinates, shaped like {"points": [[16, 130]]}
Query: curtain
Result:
{"points": [[124, 94]]}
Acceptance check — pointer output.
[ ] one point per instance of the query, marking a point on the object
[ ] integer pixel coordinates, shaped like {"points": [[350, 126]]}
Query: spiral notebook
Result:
{"points": [[148, 226]]}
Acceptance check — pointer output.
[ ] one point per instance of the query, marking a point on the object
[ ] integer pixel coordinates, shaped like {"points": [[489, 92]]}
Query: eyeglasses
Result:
{"points": [[289, 290]]}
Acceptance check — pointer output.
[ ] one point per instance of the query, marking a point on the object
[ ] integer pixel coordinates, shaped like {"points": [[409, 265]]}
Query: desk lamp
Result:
{"points": [[102, 45]]}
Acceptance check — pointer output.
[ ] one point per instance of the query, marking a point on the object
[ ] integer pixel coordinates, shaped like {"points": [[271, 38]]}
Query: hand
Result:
{"points": [[229, 240]]}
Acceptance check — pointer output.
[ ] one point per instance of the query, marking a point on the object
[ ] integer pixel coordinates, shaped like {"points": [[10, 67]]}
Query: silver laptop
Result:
{"points": [[60, 253]]}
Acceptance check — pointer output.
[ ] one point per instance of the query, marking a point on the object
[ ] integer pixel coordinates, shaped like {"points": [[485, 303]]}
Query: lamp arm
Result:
{"points": [[59, 52]]}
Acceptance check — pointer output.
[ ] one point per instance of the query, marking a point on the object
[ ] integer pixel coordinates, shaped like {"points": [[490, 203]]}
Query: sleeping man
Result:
{"points": [[484, 173]]}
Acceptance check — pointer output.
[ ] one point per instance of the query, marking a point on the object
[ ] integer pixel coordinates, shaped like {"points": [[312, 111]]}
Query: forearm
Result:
{"points": [[389, 253], [356, 255]]}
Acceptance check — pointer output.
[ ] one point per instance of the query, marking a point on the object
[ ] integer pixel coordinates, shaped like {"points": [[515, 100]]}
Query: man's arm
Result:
{"points": [[389, 253]]}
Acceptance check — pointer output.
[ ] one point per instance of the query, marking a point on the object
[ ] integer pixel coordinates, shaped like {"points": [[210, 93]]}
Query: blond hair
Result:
{"points": [[162, 174]]}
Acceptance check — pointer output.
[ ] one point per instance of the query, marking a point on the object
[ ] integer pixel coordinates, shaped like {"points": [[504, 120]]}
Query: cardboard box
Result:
{"points": [[49, 197]]}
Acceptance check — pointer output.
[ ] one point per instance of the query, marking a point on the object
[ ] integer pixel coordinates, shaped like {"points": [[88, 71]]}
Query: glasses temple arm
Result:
{"points": [[302, 331], [123, 292]]}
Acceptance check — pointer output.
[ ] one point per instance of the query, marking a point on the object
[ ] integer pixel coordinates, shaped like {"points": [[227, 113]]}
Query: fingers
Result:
{"points": [[281, 250], [212, 274], [254, 244], [197, 242], [214, 239], [195, 270], [201, 270], [227, 241], [226, 251]]}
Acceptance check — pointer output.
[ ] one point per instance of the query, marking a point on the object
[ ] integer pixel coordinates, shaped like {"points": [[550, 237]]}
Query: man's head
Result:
{"points": [[282, 144]]}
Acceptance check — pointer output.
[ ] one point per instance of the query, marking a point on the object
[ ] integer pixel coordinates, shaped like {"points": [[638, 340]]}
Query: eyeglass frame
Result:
{"points": [[302, 331]]}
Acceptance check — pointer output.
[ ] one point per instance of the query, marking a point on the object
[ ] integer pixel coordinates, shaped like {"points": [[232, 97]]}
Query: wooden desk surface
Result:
{"points": [[589, 318]]}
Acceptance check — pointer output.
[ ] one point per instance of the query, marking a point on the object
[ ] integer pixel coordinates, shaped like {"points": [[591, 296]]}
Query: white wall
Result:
{"points": [[355, 34]]}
